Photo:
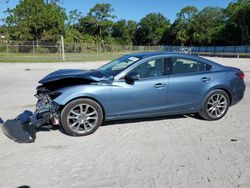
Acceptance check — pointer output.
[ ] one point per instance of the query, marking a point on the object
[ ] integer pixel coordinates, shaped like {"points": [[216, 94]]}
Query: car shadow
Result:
{"points": [[127, 121], [46, 128], [147, 119]]}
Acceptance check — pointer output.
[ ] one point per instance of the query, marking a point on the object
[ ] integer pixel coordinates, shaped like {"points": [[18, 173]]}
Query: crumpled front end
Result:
{"points": [[23, 128], [46, 109]]}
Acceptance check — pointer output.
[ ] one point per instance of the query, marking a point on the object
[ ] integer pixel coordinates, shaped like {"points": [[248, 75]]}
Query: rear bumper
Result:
{"points": [[238, 94]]}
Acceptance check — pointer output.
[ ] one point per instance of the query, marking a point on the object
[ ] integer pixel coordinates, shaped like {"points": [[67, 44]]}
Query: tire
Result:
{"points": [[81, 117], [215, 106]]}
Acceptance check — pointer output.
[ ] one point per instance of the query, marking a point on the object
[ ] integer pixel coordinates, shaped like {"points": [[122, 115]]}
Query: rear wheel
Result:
{"points": [[215, 106], [81, 117]]}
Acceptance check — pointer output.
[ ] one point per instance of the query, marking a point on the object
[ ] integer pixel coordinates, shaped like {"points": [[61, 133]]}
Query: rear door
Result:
{"points": [[188, 84]]}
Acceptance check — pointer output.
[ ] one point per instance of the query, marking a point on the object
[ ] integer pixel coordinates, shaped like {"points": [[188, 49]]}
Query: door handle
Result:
{"points": [[159, 85], [205, 79]]}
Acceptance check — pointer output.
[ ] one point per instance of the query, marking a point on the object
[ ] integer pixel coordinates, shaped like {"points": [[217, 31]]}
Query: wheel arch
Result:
{"points": [[209, 93], [228, 93], [217, 88], [87, 97]]}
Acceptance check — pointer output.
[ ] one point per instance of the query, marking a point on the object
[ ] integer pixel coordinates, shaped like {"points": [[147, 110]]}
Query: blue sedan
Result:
{"points": [[135, 86]]}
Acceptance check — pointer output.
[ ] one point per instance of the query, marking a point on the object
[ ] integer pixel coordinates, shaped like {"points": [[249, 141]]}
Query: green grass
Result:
{"points": [[48, 57]]}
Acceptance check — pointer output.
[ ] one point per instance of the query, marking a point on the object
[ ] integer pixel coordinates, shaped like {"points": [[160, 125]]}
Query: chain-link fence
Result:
{"points": [[37, 51], [49, 51], [29, 51]]}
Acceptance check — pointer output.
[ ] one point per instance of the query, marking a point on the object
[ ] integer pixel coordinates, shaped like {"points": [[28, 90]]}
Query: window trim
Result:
{"points": [[122, 74], [187, 73]]}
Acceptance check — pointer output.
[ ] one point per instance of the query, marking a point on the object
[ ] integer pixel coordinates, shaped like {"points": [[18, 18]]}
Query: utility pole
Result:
{"points": [[62, 46]]}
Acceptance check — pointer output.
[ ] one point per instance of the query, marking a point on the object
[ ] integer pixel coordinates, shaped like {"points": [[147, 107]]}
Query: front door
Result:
{"points": [[145, 96]]}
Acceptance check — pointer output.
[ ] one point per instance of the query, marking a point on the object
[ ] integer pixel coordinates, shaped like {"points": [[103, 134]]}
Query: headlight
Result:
{"points": [[43, 92]]}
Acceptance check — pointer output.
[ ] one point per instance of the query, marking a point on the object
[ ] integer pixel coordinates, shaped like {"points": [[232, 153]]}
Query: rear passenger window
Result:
{"points": [[187, 66]]}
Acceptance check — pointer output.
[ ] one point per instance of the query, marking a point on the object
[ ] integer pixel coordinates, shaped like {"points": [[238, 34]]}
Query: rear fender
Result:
{"points": [[217, 87]]}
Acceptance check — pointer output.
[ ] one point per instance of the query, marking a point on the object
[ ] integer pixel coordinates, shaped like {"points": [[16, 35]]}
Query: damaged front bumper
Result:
{"points": [[23, 128], [20, 129]]}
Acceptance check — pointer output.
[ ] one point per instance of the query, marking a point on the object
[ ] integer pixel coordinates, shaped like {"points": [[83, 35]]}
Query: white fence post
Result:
{"points": [[33, 46], [7, 49], [62, 43]]}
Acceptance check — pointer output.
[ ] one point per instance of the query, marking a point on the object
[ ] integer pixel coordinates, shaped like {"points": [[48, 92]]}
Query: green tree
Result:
{"points": [[208, 25], [72, 35], [151, 28], [124, 31], [74, 17], [54, 22], [98, 20], [183, 27], [132, 27], [35, 20], [238, 23]]}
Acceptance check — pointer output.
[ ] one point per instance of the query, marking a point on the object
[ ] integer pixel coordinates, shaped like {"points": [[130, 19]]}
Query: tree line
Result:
{"points": [[46, 20]]}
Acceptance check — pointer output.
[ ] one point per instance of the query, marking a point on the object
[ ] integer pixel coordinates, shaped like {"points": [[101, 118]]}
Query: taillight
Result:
{"points": [[241, 75]]}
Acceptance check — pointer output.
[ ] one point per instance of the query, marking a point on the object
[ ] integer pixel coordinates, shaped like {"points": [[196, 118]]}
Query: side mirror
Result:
{"points": [[132, 76]]}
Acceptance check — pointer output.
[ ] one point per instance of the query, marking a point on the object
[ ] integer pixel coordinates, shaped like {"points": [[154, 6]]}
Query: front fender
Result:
{"points": [[101, 93]]}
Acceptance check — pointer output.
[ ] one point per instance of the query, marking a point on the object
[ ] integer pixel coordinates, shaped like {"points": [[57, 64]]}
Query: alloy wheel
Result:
{"points": [[82, 118], [217, 105]]}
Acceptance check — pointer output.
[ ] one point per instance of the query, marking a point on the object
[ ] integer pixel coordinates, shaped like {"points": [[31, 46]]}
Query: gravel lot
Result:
{"points": [[175, 151]]}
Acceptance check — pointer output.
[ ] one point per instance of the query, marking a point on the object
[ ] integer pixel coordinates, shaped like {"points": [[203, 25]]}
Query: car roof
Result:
{"points": [[148, 54]]}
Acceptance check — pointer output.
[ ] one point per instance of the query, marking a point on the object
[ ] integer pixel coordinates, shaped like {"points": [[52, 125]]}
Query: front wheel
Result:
{"points": [[215, 106], [81, 117]]}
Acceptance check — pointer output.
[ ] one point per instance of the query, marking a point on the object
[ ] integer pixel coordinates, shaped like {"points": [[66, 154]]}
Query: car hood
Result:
{"points": [[64, 74]]}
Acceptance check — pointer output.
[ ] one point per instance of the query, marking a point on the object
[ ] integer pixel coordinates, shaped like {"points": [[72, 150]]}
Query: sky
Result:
{"points": [[130, 9]]}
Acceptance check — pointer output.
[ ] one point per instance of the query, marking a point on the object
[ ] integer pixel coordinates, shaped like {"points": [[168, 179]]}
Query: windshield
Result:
{"points": [[115, 67]]}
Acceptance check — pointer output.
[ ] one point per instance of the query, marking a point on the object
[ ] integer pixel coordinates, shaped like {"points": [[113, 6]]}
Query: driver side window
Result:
{"points": [[152, 68]]}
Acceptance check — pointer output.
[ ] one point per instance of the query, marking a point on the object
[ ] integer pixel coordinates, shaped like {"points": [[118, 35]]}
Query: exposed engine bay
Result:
{"points": [[46, 108]]}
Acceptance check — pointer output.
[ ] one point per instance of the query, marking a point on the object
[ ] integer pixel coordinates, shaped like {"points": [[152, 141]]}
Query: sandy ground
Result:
{"points": [[175, 151]]}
